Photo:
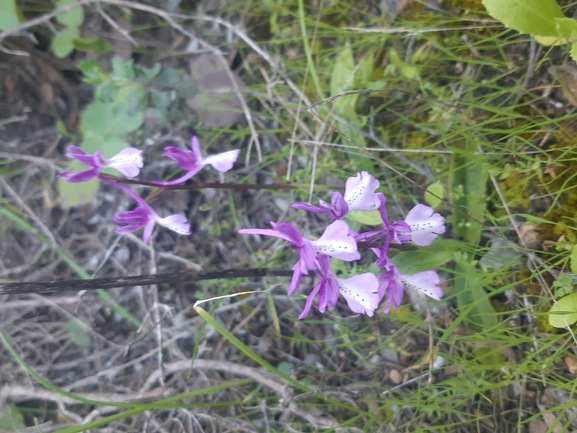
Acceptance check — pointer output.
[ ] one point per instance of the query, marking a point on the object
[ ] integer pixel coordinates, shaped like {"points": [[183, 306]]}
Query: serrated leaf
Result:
{"points": [[372, 218], [77, 194], [550, 41], [574, 260], [10, 15], [73, 18], [535, 17], [63, 42], [566, 27], [564, 312], [434, 194]]}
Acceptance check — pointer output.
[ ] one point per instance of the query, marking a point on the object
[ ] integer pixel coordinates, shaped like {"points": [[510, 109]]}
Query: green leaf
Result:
{"points": [[424, 259], [77, 194], [63, 42], [11, 419], [574, 51], [93, 72], [574, 259], [122, 69], [564, 312], [78, 331], [110, 119], [372, 218], [10, 15], [72, 18], [434, 194], [550, 41], [96, 45], [535, 17], [566, 27], [473, 300], [342, 77], [364, 72]]}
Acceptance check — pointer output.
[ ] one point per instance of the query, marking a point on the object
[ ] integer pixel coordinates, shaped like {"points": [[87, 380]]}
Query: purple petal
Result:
{"points": [[425, 224], [137, 215], [185, 158], [361, 293], [176, 223], [179, 180], [395, 292], [337, 242], [128, 161], [147, 234], [383, 208], [265, 232], [307, 254], [79, 154], [426, 282], [339, 205], [400, 232], [296, 279], [195, 145], [289, 231], [360, 192], [309, 302], [82, 176], [309, 207], [223, 161]]}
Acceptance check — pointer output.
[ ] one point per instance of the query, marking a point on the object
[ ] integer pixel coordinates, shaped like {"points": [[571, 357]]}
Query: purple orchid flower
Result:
{"points": [[394, 283], [425, 224], [193, 161], [128, 161], [335, 242], [360, 291], [359, 195], [145, 216], [398, 232]]}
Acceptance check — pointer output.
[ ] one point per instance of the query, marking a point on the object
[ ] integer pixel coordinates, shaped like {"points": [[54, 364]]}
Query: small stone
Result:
{"points": [[395, 377]]}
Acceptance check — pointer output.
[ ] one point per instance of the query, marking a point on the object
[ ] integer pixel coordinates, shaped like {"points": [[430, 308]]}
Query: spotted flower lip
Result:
{"points": [[359, 195], [192, 161], [128, 161], [360, 291], [425, 224], [394, 283], [335, 242], [144, 216]]}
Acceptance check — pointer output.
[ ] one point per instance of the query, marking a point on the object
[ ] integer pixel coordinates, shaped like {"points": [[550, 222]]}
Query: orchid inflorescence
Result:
{"points": [[129, 162], [363, 292]]}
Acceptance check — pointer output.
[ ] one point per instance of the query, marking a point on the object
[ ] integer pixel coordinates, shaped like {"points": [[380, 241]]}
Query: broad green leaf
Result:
{"points": [[63, 42], [472, 298], [564, 312], [93, 72], [122, 69], [10, 15], [574, 260], [574, 51], [109, 119], [110, 145], [342, 79], [566, 27], [364, 72], [77, 194], [78, 332], [424, 259], [372, 218], [551, 41], [73, 18], [434, 194], [535, 17], [96, 45]]}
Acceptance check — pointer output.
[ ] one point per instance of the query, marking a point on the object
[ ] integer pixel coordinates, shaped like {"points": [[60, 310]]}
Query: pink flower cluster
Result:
{"points": [[129, 162], [363, 292]]}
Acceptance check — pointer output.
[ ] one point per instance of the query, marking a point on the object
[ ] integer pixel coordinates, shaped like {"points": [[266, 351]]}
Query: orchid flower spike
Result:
{"points": [[145, 216], [425, 224], [359, 195], [193, 161], [398, 232], [394, 283], [335, 242], [128, 161], [360, 291]]}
